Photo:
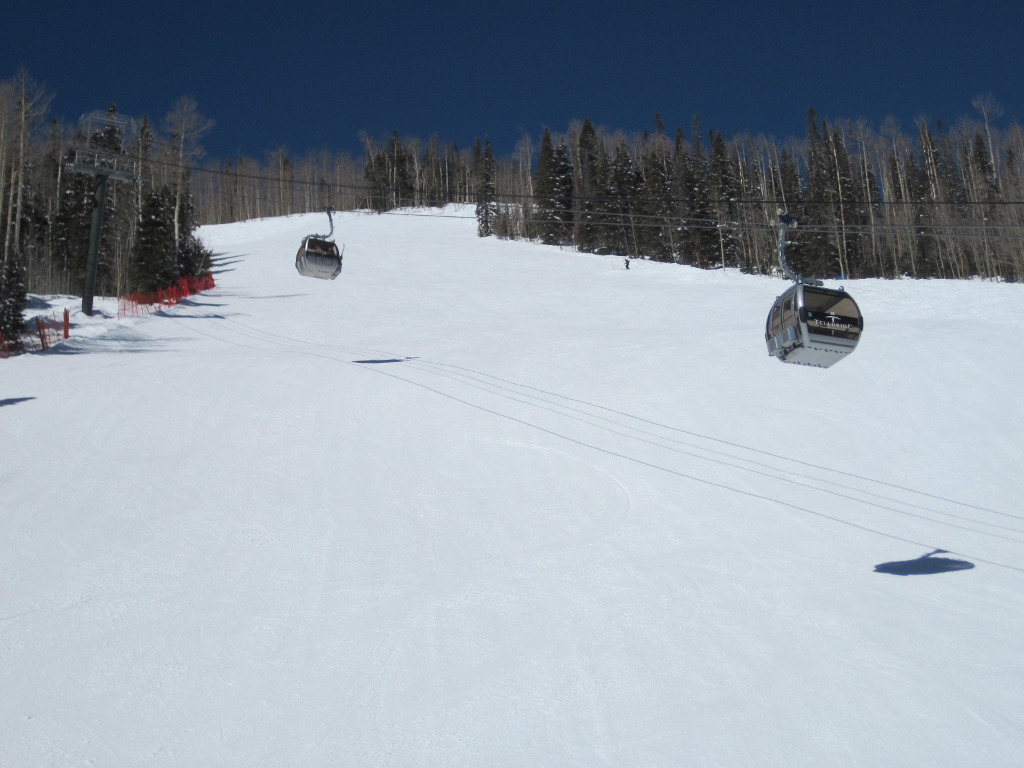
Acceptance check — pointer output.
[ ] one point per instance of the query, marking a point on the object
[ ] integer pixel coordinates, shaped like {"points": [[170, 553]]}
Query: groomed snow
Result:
{"points": [[488, 503]]}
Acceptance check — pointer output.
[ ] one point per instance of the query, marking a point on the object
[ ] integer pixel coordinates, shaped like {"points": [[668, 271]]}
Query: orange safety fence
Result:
{"points": [[140, 303], [51, 330], [43, 333]]}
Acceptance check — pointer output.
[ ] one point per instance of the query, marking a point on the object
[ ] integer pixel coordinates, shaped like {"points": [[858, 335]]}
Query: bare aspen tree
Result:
{"points": [[524, 154], [8, 110], [32, 101], [1013, 183], [929, 160], [976, 167], [990, 110], [186, 126], [861, 134], [904, 216], [835, 143]]}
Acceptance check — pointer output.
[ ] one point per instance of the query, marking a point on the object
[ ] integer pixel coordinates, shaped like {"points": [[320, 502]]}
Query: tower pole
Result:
{"points": [[95, 231]]}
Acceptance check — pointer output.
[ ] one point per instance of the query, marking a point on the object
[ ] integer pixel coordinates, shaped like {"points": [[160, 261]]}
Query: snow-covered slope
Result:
{"points": [[485, 503]]}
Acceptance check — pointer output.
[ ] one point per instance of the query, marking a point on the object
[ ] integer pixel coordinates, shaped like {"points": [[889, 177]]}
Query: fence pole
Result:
{"points": [[42, 334]]}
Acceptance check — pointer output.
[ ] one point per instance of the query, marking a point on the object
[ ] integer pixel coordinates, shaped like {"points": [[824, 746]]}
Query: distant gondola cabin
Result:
{"points": [[318, 257]]}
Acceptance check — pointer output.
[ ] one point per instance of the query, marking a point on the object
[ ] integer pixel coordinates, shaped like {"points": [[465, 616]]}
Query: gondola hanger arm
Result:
{"points": [[330, 218], [785, 222]]}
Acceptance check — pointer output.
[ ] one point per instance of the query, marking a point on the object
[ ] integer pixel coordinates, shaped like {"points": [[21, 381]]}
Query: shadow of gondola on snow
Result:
{"points": [[194, 302], [14, 400], [924, 565], [279, 296]]}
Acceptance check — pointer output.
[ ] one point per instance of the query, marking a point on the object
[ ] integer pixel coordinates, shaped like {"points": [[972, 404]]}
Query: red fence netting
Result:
{"points": [[144, 303], [51, 330], [42, 333]]}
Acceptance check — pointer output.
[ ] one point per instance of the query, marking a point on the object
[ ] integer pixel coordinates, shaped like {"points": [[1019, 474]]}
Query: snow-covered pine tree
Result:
{"points": [[623, 192], [563, 194], [724, 183], [817, 256], [154, 263], [13, 300], [656, 237], [486, 189], [553, 187], [70, 230], [700, 243], [590, 196], [544, 188], [193, 257]]}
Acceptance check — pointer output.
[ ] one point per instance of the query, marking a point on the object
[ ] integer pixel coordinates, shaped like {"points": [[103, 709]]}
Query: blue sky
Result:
{"points": [[313, 75]]}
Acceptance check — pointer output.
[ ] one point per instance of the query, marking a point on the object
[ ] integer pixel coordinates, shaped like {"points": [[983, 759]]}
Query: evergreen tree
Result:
{"points": [[655, 237], [789, 180], [390, 175], [545, 185], [815, 254], [623, 191], [589, 191], [918, 248], [700, 241], [71, 226], [678, 234], [144, 149], [724, 190], [486, 191], [154, 263], [13, 300], [193, 257], [563, 194], [553, 189]]}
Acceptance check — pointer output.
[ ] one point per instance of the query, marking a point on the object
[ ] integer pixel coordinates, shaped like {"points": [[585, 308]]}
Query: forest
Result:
{"points": [[932, 201], [937, 202]]}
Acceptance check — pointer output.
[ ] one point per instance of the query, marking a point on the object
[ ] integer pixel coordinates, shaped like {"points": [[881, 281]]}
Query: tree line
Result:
{"points": [[934, 201]]}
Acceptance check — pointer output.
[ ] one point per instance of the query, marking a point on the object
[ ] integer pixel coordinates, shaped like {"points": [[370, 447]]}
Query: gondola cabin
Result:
{"points": [[810, 325], [318, 257]]}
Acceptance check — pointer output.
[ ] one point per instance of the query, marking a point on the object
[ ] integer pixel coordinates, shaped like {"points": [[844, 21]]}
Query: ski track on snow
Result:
{"points": [[649, 433]]}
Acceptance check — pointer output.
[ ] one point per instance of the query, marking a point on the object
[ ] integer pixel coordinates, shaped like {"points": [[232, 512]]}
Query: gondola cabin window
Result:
{"points": [[829, 314], [775, 321]]}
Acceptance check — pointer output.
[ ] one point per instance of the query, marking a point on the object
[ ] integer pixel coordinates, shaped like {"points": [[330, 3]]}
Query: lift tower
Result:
{"points": [[103, 155]]}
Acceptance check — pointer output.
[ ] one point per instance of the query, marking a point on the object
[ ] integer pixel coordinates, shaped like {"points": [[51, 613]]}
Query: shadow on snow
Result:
{"points": [[14, 400], [924, 565]]}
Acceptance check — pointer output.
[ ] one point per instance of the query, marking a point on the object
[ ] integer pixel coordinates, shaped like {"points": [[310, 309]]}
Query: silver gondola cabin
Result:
{"points": [[318, 256], [810, 324]]}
